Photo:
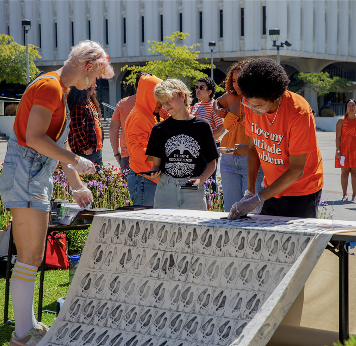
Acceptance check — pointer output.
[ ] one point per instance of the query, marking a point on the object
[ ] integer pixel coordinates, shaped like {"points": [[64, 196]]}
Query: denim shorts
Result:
{"points": [[169, 195], [26, 178]]}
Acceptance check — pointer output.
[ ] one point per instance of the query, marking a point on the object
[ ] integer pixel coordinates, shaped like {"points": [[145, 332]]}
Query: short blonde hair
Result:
{"points": [[167, 89], [91, 52]]}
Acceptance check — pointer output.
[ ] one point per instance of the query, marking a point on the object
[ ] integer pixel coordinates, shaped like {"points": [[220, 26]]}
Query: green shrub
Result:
{"points": [[350, 342], [327, 112], [76, 241]]}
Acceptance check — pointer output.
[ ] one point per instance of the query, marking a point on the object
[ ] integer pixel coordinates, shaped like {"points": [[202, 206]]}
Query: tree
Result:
{"points": [[13, 60], [180, 61], [321, 82]]}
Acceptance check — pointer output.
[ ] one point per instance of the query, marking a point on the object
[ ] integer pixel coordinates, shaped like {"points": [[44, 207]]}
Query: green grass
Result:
{"points": [[56, 285]]}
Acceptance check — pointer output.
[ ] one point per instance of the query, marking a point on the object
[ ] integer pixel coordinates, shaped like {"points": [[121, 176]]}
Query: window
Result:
{"points": [[264, 20], [55, 35], [39, 36], [89, 32], [8, 30], [221, 23], [142, 29], [242, 21], [161, 18], [72, 33], [200, 25], [106, 31], [181, 22], [124, 31]]}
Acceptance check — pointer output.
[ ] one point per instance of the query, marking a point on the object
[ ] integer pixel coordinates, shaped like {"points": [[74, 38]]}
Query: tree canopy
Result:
{"points": [[13, 61], [179, 61], [322, 83]]}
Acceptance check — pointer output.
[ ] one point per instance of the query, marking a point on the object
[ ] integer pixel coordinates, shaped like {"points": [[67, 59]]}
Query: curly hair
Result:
{"points": [[263, 78], [167, 89], [237, 66], [210, 84]]}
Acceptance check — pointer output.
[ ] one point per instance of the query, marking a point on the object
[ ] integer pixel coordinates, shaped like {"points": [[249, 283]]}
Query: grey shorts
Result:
{"points": [[26, 178]]}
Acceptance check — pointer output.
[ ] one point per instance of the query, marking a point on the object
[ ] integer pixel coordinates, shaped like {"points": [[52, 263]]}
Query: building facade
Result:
{"points": [[321, 32]]}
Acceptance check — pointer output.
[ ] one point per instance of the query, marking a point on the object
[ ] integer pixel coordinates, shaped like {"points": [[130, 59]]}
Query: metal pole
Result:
{"points": [[278, 59], [27, 57], [212, 68], [343, 293]]}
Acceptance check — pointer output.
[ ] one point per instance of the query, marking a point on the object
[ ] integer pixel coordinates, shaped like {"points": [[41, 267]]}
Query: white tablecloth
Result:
{"points": [[179, 278]]}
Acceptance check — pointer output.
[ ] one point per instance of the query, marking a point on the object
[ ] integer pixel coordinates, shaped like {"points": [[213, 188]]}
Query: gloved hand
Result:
{"points": [[244, 207], [247, 195], [83, 197], [84, 166]]}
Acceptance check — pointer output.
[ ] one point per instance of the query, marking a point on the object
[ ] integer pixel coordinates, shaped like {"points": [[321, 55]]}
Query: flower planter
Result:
{"points": [[327, 124]]}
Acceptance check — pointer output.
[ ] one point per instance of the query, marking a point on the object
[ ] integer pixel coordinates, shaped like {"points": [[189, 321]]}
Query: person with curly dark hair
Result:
{"points": [[205, 92], [282, 141], [233, 168]]}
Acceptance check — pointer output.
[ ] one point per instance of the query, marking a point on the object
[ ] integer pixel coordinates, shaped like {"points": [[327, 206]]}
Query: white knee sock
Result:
{"points": [[22, 290]]}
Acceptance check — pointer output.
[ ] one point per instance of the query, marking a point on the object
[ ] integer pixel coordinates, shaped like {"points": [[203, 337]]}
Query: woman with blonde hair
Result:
{"points": [[37, 143], [233, 168], [178, 146]]}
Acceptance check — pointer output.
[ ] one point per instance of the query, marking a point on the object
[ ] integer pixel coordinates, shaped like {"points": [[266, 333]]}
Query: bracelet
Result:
{"points": [[337, 151], [203, 175], [116, 155]]}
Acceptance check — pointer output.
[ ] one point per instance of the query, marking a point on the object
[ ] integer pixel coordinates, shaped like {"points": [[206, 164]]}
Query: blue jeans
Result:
{"points": [[233, 171], [169, 195], [142, 191], [96, 157]]}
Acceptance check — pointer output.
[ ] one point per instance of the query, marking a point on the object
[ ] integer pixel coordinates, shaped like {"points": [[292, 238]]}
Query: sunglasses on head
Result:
{"points": [[200, 87]]}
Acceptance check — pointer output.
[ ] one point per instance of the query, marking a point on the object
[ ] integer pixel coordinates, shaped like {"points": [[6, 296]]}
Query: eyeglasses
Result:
{"points": [[259, 110], [200, 87]]}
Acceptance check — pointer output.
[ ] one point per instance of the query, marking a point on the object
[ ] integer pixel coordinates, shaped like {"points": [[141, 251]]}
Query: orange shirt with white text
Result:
{"points": [[293, 132]]}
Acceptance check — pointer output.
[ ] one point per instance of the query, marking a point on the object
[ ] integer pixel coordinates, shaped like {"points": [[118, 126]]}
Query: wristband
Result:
{"points": [[203, 175], [337, 151], [116, 155], [261, 199]]}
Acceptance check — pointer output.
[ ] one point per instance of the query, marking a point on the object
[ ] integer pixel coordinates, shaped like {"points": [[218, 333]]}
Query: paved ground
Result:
{"points": [[332, 193]]}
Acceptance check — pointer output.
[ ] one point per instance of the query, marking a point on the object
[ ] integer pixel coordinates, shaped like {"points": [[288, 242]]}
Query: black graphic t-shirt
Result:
{"points": [[181, 145]]}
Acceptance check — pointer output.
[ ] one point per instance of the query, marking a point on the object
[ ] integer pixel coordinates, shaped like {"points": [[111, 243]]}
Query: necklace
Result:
{"points": [[271, 123]]}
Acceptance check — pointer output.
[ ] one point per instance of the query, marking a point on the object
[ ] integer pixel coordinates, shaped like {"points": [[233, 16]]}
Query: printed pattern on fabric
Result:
{"points": [[185, 278], [182, 147]]}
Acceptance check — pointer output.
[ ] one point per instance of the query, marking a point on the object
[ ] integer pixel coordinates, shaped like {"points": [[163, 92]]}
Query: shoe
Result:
{"points": [[41, 328], [353, 198], [32, 338], [344, 199]]}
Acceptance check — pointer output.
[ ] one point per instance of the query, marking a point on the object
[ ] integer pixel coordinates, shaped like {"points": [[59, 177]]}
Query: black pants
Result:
{"points": [[293, 206]]}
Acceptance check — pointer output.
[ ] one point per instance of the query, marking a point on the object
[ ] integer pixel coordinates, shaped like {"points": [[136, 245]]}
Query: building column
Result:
{"points": [[310, 96], [112, 91]]}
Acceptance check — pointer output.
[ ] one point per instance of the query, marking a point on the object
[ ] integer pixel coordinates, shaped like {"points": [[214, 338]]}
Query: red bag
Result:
{"points": [[56, 253]]}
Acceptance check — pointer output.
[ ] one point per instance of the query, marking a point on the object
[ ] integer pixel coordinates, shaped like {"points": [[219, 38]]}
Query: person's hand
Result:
{"points": [[84, 166], [216, 107], [244, 207], [198, 180], [224, 150], [153, 176], [338, 154], [247, 195], [88, 152], [83, 197]]}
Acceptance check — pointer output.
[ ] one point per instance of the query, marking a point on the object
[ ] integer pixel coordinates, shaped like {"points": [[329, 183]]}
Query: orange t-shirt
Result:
{"points": [[121, 112], [293, 132], [49, 94]]}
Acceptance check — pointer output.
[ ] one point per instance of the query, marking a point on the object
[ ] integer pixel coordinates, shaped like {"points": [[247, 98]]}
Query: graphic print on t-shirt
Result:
{"points": [[180, 151]]}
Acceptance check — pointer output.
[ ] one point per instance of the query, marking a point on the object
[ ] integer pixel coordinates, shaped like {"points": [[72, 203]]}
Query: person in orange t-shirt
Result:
{"points": [[282, 141], [38, 142]]}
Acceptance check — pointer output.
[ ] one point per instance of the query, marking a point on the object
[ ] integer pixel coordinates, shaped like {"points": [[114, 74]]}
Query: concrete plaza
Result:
{"points": [[332, 192]]}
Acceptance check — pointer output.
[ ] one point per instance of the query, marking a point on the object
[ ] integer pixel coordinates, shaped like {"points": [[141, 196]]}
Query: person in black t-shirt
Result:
{"points": [[179, 145]]}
